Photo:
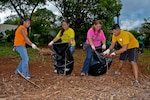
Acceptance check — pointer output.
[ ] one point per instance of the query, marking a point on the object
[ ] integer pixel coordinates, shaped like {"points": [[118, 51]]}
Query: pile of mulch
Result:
{"points": [[71, 87]]}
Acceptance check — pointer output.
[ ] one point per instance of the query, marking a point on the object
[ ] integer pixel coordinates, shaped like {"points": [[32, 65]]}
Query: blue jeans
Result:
{"points": [[87, 62], [72, 49], [23, 65]]}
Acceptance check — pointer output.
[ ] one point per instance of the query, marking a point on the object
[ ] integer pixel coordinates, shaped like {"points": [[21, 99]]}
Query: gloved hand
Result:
{"points": [[104, 46], [34, 46], [93, 47], [113, 54], [106, 52], [51, 43]]}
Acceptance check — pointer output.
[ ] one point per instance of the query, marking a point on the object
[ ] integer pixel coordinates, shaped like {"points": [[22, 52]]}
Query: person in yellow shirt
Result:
{"points": [[67, 35], [128, 51], [20, 41]]}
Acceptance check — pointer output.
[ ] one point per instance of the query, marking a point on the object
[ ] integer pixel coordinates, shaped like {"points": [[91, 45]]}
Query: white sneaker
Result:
{"points": [[55, 71], [28, 77], [136, 83], [116, 73], [83, 74]]}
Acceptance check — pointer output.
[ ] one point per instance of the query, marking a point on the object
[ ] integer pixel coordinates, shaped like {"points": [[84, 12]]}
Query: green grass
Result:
{"points": [[7, 51], [146, 51], [144, 58]]}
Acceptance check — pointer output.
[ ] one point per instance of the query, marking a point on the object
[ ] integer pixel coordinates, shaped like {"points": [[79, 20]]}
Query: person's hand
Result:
{"points": [[104, 46], [51, 43], [106, 52], [113, 54], [71, 42], [34, 46], [93, 47]]}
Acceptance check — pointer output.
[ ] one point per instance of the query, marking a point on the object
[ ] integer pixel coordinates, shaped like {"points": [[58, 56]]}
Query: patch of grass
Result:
{"points": [[144, 58], [33, 54], [148, 69], [146, 51], [8, 51]]}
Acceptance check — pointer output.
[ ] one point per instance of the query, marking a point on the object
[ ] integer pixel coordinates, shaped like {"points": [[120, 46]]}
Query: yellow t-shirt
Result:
{"points": [[67, 35], [126, 38], [19, 39]]}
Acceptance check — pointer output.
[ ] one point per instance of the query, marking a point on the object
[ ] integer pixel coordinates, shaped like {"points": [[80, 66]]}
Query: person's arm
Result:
{"points": [[72, 36], [71, 41], [55, 39], [109, 49], [28, 41], [91, 43], [89, 38], [52, 42], [104, 42], [112, 45], [123, 49], [103, 38], [26, 38]]}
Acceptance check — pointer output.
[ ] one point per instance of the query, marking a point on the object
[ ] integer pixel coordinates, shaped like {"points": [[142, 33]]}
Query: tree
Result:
{"points": [[82, 13], [135, 33], [13, 20], [24, 8], [145, 29], [43, 20]]}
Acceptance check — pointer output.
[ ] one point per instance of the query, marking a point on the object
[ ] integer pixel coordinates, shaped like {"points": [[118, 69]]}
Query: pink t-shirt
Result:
{"points": [[96, 36]]}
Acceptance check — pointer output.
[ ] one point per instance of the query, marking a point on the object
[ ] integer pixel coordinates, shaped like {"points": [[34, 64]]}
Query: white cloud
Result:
{"points": [[5, 14], [133, 13], [130, 24]]}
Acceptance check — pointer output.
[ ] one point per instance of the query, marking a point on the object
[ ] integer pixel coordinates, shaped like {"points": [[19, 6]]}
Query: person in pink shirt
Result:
{"points": [[95, 39]]}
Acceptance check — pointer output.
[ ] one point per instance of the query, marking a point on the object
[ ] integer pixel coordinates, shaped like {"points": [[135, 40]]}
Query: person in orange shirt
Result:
{"points": [[128, 51], [20, 41]]}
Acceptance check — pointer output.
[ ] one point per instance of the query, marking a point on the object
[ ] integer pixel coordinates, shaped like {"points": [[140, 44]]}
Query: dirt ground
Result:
{"points": [[72, 87]]}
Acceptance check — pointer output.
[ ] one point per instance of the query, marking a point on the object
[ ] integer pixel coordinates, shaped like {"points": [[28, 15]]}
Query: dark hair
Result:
{"points": [[95, 23], [62, 30], [23, 20], [115, 26]]}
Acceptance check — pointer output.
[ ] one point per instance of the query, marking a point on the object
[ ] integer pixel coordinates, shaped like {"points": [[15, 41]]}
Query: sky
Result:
{"points": [[132, 14]]}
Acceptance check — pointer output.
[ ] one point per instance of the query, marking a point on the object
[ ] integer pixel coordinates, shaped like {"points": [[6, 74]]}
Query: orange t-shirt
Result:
{"points": [[19, 39]]}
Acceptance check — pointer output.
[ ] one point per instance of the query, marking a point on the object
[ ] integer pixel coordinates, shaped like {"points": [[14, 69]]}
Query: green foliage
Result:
{"points": [[43, 20], [82, 13], [147, 51], [145, 29], [135, 33], [24, 8], [6, 51], [13, 20], [9, 38]]}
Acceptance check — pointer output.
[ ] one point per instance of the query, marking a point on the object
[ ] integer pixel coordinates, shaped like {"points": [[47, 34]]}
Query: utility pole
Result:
{"points": [[118, 13]]}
